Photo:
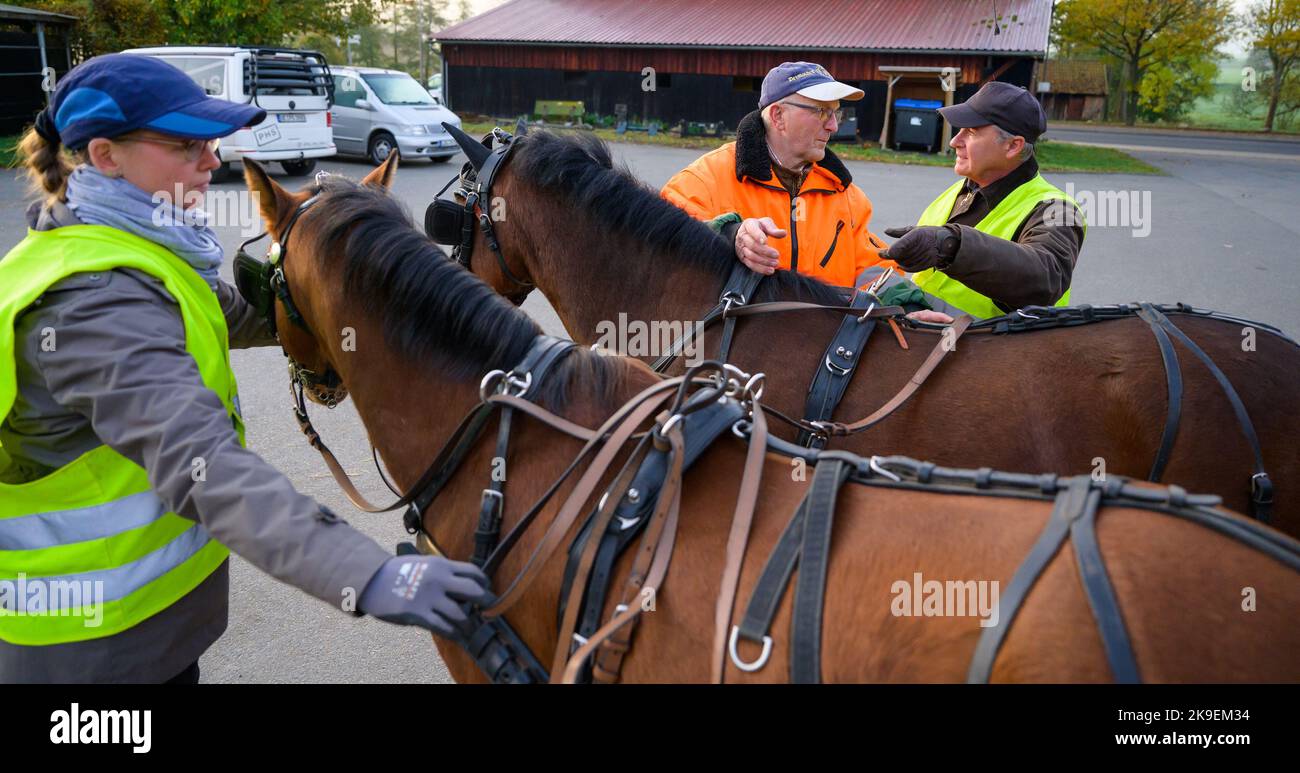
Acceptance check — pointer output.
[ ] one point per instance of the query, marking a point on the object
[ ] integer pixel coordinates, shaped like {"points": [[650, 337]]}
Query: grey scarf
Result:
{"points": [[98, 199]]}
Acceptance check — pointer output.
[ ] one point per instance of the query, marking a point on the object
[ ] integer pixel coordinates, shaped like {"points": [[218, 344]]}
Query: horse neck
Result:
{"points": [[591, 275], [410, 412]]}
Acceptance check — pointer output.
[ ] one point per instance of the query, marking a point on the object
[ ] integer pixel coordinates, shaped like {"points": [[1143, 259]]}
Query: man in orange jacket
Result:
{"points": [[778, 193]]}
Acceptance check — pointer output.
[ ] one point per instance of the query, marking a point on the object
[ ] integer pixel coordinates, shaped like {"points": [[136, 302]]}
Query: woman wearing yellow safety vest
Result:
{"points": [[116, 386]]}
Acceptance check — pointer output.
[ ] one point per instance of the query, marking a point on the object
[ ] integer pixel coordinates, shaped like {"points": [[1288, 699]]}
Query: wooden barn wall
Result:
{"points": [[698, 61], [21, 97], [694, 85]]}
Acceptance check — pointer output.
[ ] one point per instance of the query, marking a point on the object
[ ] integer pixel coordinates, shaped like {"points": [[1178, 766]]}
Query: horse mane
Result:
{"points": [[580, 169], [431, 310]]}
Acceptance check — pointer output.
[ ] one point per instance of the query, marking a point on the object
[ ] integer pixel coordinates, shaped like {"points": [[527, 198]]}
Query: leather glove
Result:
{"points": [[427, 591], [922, 247]]}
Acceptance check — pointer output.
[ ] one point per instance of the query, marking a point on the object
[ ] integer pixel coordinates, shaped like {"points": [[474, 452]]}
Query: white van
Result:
{"points": [[377, 110], [294, 88]]}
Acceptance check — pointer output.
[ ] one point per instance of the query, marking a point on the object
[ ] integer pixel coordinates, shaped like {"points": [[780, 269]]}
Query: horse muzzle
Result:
{"points": [[327, 390]]}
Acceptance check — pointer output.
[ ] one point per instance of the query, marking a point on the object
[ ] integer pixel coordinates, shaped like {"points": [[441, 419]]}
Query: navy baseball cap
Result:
{"points": [[806, 78], [113, 94], [1006, 106]]}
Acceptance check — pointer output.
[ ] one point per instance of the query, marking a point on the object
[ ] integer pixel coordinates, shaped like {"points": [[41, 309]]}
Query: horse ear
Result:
{"points": [[272, 200], [474, 150], [382, 175]]}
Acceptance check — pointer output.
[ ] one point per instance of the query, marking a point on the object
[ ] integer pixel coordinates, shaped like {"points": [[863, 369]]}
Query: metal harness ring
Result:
{"points": [[735, 656]]}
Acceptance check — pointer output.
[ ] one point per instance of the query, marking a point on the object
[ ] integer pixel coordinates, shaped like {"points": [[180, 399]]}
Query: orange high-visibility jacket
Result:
{"points": [[826, 223]]}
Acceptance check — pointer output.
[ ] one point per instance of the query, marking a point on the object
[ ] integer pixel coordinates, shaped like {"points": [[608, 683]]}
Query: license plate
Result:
{"points": [[291, 118]]}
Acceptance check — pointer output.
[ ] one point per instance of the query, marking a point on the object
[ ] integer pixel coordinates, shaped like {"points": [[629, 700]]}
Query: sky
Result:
{"points": [[1236, 48]]}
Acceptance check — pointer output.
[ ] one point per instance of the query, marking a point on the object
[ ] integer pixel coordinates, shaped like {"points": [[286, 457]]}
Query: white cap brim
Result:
{"points": [[829, 92]]}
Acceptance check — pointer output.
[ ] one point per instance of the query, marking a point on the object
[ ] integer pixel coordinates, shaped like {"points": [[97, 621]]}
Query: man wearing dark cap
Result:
{"points": [[778, 194], [1003, 237]]}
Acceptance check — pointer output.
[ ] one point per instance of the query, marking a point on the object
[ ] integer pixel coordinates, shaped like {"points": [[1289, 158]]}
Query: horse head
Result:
{"points": [[295, 306]]}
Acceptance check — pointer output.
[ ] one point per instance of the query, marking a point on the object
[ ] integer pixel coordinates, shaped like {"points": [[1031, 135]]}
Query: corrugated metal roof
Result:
{"points": [[873, 25], [32, 14]]}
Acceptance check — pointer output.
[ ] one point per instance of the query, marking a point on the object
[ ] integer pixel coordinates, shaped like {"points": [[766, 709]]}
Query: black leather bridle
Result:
{"points": [[262, 283], [448, 222]]}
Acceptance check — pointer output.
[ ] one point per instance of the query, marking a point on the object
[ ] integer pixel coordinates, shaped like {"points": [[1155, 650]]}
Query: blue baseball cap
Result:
{"points": [[806, 78], [116, 93]]}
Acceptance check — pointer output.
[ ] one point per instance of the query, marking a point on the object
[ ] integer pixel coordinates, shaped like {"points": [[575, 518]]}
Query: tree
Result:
{"points": [[1169, 89], [106, 26], [1275, 29], [260, 22], [1144, 33]]}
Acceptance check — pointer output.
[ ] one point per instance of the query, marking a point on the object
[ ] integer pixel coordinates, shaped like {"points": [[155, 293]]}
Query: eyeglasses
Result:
{"points": [[193, 149], [823, 113]]}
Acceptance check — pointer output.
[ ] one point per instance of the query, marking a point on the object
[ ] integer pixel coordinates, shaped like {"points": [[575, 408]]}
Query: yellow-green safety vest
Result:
{"points": [[96, 519], [1002, 222]]}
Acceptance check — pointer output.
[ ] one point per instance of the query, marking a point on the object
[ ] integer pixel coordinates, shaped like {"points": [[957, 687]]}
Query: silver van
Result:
{"points": [[293, 86], [376, 110]]}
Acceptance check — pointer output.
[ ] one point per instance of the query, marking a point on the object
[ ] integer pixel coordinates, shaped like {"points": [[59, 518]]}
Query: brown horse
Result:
{"points": [[426, 332], [600, 244]]}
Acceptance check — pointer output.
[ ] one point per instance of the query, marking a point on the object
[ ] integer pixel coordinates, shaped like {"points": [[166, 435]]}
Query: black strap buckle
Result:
{"points": [[411, 519]]}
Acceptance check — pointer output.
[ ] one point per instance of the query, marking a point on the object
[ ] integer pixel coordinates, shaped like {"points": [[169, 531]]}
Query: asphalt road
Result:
{"points": [[1221, 231], [1183, 143]]}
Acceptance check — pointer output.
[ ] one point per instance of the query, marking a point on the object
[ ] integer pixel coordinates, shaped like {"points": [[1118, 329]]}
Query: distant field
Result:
{"points": [[1213, 112]]}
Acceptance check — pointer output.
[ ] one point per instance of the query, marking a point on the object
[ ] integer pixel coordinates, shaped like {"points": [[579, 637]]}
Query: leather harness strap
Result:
{"points": [[737, 542], [837, 368], [1073, 515], [814, 558], [804, 543], [1174, 376], [1261, 487], [704, 419], [736, 291], [642, 407], [947, 343]]}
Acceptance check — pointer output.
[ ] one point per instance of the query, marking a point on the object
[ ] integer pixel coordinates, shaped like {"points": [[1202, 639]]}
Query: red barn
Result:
{"points": [[707, 59]]}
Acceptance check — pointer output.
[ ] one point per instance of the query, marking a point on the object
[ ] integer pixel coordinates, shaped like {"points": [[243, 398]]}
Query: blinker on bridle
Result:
{"points": [[262, 282], [452, 222]]}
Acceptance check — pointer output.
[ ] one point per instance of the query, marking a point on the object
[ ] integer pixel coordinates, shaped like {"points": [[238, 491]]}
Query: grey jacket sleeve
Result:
{"points": [[247, 329], [1033, 270], [121, 362]]}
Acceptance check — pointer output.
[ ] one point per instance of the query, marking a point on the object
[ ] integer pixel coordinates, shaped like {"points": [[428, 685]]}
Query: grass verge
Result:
{"points": [[1052, 156]]}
